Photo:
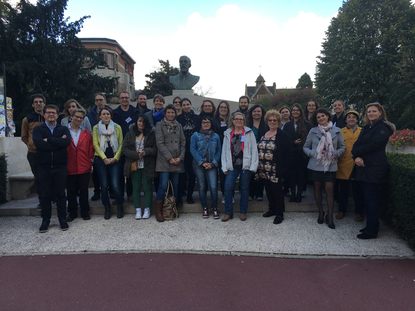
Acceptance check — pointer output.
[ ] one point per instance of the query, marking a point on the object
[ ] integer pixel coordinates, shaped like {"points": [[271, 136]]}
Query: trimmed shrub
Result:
{"points": [[3, 178], [401, 205]]}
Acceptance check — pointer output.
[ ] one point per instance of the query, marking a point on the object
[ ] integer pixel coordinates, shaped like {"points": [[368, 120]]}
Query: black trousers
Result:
{"points": [[52, 183], [126, 184], [343, 192], [275, 197], [34, 166], [373, 196], [78, 184]]}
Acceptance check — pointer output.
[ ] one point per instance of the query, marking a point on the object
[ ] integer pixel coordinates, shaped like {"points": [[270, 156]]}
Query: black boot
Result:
{"points": [[107, 214], [120, 211]]}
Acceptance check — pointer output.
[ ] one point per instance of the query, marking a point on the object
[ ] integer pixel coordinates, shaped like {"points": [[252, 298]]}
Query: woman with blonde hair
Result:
{"points": [[69, 108]]}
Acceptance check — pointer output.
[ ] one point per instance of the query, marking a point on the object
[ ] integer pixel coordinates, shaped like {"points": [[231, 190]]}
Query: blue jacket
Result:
{"points": [[199, 145]]}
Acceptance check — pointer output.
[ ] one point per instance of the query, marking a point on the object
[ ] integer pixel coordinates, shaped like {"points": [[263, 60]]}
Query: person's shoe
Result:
{"points": [[64, 226], [242, 216], [226, 217], [363, 229], [330, 222], [190, 200], [44, 227], [320, 218], [205, 213], [120, 211], [331, 225], [359, 217], [146, 214], [86, 217], [366, 236], [95, 197], [260, 199], [138, 213], [159, 211], [107, 214], [69, 218], [215, 213], [268, 213], [278, 219], [340, 215]]}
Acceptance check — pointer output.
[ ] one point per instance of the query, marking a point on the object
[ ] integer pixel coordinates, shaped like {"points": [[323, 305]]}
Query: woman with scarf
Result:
{"points": [[324, 145], [171, 143], [139, 148], [157, 113], [107, 139], [371, 165], [205, 148], [188, 120], [208, 110]]}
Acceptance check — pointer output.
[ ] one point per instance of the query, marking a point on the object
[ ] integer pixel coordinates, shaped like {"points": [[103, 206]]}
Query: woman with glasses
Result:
{"points": [[69, 108], [208, 110], [239, 159], [177, 103], [80, 156], [273, 153], [107, 138], [171, 143], [310, 110], [324, 145]]}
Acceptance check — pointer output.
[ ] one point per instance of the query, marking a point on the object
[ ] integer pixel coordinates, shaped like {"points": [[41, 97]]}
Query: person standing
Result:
{"points": [[80, 157], [52, 140], [273, 153], [157, 114], [243, 105], [69, 108], [338, 117], [139, 148], [32, 120], [142, 104], [285, 116], [206, 150], [239, 159], [372, 167], [310, 109], [177, 103], [107, 139], [324, 145], [93, 117], [171, 149]]}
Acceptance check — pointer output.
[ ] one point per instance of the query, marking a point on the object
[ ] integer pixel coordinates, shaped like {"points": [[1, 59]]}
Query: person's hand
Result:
{"points": [[297, 141], [64, 136], [107, 161], [45, 140], [172, 161], [359, 162]]}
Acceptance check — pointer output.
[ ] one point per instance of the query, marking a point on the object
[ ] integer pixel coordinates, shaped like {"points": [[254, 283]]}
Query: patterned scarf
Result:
{"points": [[325, 150], [107, 136]]}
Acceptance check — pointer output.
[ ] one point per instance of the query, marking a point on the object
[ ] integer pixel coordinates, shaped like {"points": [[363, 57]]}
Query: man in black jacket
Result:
{"points": [[51, 140]]}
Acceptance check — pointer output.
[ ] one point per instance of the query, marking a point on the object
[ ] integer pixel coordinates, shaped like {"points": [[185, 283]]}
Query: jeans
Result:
{"points": [[230, 180], [211, 176], [109, 175], [78, 184], [141, 182], [163, 183], [52, 182]]}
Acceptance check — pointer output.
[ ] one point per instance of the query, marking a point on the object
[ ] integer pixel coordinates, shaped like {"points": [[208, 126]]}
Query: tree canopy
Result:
{"points": [[42, 54], [304, 82], [158, 80], [369, 55]]}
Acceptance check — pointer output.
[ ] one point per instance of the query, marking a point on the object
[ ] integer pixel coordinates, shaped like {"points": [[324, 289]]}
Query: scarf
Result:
{"points": [[107, 136], [325, 150], [158, 115], [170, 125]]}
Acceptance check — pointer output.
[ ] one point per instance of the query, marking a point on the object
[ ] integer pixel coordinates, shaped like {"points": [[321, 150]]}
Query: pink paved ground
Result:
{"points": [[203, 282]]}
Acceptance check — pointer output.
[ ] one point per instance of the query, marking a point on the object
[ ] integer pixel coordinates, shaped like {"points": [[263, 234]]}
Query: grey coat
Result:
{"points": [[311, 143], [169, 145]]}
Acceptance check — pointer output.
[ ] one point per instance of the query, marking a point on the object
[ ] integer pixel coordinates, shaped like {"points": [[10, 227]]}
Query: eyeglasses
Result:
{"points": [[176, 102], [78, 117], [124, 97], [38, 102], [272, 120], [238, 119], [50, 112]]}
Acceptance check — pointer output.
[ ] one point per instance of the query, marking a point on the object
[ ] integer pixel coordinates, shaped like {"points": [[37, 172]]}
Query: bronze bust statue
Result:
{"points": [[184, 80]]}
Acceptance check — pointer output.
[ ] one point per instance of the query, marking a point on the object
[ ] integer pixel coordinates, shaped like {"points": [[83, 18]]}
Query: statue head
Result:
{"points": [[185, 63]]}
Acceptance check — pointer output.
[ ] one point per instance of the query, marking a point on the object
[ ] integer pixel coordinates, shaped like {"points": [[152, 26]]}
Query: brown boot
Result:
{"points": [[158, 207]]}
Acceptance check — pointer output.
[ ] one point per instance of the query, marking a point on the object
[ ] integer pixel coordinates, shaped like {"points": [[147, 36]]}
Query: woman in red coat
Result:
{"points": [[80, 156]]}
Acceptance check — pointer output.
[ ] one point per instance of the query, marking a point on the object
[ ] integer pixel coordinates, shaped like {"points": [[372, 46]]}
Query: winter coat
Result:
{"points": [[52, 152], [80, 157], [199, 146], [250, 152], [130, 152], [296, 153], [310, 148], [346, 163], [170, 144], [370, 146], [28, 124], [339, 121]]}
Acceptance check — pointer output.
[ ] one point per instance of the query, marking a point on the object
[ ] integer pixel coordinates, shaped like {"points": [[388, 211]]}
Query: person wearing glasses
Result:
{"points": [[273, 153], [80, 157], [69, 108], [239, 159], [51, 140], [177, 103]]}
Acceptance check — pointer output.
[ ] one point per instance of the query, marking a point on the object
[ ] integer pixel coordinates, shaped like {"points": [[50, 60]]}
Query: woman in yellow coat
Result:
{"points": [[345, 168]]}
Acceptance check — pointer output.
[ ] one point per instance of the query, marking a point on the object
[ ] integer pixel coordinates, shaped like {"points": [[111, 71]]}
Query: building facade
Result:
{"points": [[260, 90]]}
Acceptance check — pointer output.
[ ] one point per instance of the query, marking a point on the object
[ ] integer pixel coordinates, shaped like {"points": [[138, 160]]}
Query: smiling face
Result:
{"points": [[322, 119], [140, 123], [77, 119], [207, 107], [142, 100], [295, 112], [158, 104], [311, 106], [170, 114], [72, 108], [223, 110], [186, 106], [238, 120], [243, 104], [338, 107], [351, 120], [51, 115], [105, 116], [124, 99], [257, 114], [206, 125], [285, 114], [273, 122], [373, 114], [100, 101]]}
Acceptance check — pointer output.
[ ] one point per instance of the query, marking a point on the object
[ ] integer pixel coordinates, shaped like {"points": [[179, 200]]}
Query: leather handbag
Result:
{"points": [[170, 211], [134, 166]]}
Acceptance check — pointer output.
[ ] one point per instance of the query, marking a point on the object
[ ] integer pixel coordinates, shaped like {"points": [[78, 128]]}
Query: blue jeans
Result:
{"points": [[244, 180], [163, 183], [211, 176], [109, 174]]}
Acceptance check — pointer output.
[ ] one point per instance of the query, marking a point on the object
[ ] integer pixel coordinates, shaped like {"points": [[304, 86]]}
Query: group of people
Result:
{"points": [[138, 150]]}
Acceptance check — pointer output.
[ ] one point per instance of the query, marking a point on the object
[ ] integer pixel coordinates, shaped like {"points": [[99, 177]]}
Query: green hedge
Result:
{"points": [[3, 178], [401, 204]]}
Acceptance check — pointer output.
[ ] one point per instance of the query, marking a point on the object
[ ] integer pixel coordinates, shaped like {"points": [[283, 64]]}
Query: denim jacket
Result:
{"points": [[199, 145]]}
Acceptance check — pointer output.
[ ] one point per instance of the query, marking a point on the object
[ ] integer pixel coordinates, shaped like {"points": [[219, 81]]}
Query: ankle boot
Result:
{"points": [[107, 214], [120, 211], [158, 206]]}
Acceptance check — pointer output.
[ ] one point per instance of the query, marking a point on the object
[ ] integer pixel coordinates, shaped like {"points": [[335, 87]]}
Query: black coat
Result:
{"points": [[52, 152], [281, 153], [297, 155], [370, 146]]}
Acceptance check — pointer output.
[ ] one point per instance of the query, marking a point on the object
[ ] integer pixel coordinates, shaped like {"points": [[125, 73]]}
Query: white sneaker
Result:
{"points": [[146, 213], [138, 213]]}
